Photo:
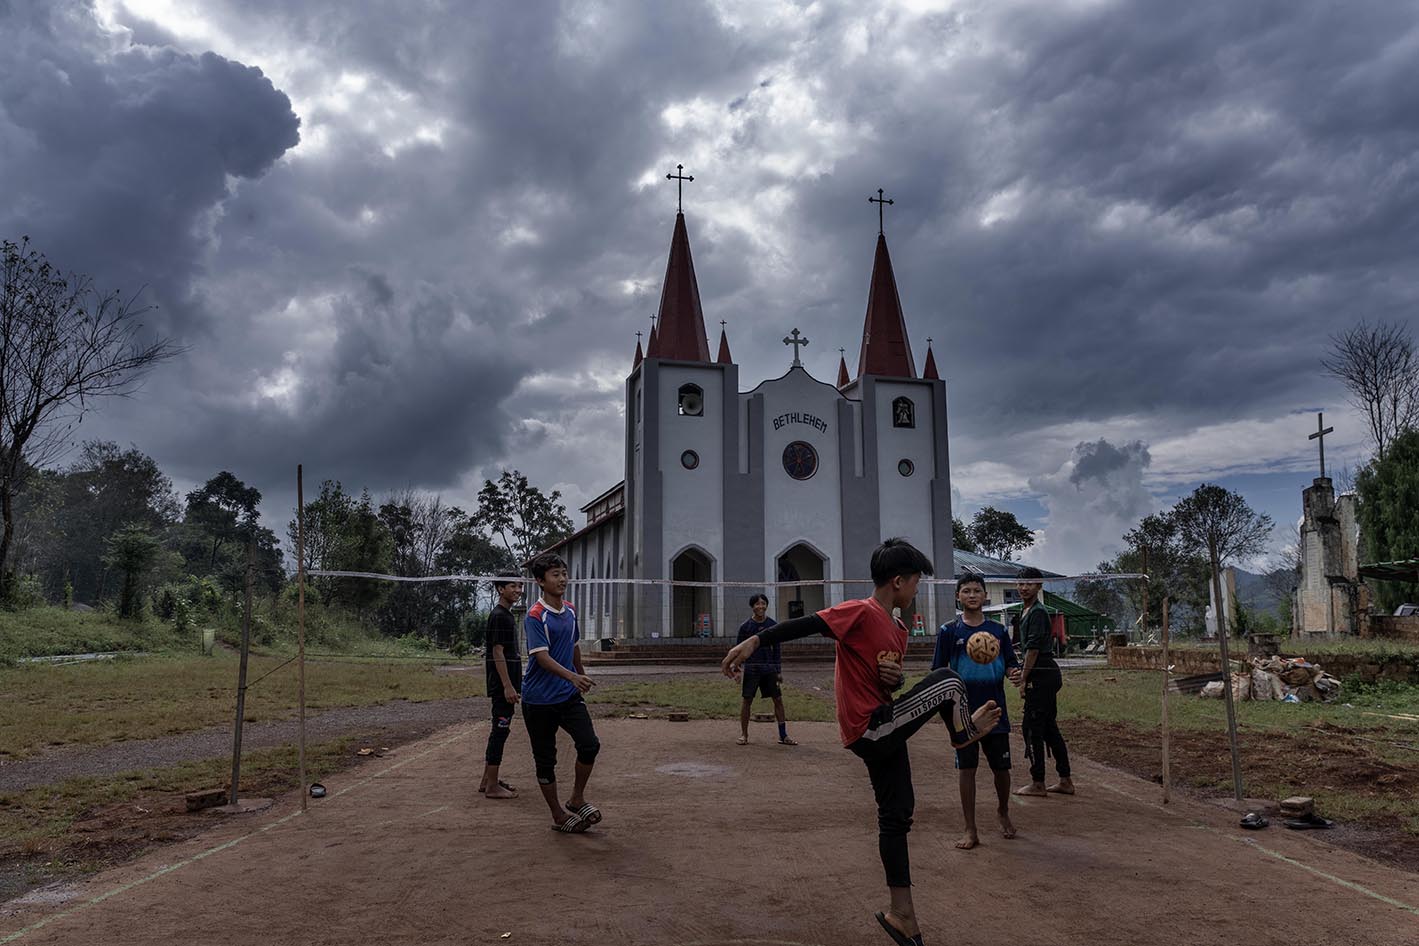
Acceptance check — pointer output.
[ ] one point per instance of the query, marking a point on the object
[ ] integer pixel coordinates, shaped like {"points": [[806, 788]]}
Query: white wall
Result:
{"points": [[802, 510], [905, 501], [693, 510]]}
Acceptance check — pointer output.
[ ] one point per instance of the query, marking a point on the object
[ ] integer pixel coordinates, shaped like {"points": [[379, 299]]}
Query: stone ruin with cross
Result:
{"points": [[1330, 599]]}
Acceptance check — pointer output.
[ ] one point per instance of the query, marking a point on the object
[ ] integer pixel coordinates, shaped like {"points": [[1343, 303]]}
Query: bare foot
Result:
{"points": [[1033, 790], [1007, 827], [1063, 787], [499, 792], [968, 840]]}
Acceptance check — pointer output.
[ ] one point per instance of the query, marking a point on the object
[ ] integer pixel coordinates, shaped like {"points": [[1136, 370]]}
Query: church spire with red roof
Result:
{"points": [[885, 348], [652, 348], [843, 379], [724, 357], [639, 356], [929, 372]]}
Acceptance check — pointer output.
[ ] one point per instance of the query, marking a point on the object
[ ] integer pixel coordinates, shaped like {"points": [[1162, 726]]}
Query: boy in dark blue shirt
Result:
{"points": [[762, 672], [983, 682], [552, 695]]}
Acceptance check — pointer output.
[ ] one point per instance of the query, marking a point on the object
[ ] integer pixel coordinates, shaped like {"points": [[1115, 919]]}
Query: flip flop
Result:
{"points": [[898, 937], [574, 824], [1254, 821], [742, 741], [588, 812], [787, 741], [1308, 823]]}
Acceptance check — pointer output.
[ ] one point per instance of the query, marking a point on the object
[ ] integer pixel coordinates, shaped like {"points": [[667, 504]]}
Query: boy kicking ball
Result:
{"points": [[552, 695], [874, 727], [980, 651]]}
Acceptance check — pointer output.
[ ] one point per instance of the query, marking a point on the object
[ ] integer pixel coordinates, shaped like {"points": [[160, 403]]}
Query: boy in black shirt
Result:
{"points": [[504, 665], [1039, 681], [763, 672]]}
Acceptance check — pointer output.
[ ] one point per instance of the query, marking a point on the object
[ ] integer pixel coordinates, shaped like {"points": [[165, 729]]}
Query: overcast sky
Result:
{"points": [[410, 244]]}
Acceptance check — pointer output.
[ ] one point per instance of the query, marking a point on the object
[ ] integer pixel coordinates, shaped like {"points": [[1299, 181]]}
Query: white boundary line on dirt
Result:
{"points": [[1252, 843], [124, 888]]}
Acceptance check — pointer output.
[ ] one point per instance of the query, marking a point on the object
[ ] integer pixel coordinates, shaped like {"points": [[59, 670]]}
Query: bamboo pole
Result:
{"points": [[1222, 631], [300, 628], [241, 677], [1167, 677]]}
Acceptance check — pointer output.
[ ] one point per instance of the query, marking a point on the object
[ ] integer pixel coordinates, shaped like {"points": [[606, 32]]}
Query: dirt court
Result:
{"points": [[705, 842]]}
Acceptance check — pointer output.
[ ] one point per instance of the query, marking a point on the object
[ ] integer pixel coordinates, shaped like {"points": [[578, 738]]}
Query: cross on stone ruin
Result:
{"points": [[879, 202], [1319, 435], [797, 340], [680, 177]]}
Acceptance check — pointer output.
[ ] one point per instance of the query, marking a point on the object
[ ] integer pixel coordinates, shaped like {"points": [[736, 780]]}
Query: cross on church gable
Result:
{"points": [[797, 340]]}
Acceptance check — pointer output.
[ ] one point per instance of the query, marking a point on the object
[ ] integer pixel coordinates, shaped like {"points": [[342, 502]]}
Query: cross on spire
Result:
{"points": [[680, 178], [1319, 435], [797, 340], [879, 201]]}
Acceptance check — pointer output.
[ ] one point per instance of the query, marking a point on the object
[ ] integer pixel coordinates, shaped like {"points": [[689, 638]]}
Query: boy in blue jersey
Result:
{"points": [[552, 695], [984, 682]]}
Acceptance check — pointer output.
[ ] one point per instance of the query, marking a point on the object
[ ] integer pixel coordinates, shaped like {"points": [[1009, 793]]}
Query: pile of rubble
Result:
{"points": [[1288, 679]]}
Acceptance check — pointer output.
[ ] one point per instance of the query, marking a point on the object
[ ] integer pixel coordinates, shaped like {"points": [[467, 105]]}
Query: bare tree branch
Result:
{"points": [[1379, 366], [62, 344]]}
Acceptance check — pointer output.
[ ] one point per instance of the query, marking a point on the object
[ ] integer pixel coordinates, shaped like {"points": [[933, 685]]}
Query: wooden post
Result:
{"points": [[241, 676], [300, 628], [1222, 631], [1167, 678]]}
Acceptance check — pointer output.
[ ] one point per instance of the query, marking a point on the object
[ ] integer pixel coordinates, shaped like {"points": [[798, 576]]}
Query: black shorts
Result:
{"points": [[765, 683], [997, 753]]}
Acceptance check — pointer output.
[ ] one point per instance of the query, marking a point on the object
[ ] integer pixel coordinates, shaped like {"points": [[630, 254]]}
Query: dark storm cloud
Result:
{"points": [[116, 156], [1110, 211]]}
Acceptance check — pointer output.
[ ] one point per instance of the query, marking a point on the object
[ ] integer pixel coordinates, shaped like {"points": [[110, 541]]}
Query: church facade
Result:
{"points": [[791, 480]]}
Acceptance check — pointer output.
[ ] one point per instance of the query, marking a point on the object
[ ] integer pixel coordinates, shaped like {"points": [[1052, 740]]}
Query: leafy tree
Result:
{"points": [[1220, 522], [1101, 595], [132, 551], [961, 536], [520, 516], [343, 533], [1389, 514], [226, 509], [999, 534], [63, 345]]}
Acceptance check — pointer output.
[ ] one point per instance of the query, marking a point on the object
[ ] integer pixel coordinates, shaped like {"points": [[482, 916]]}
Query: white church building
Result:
{"points": [[788, 479]]}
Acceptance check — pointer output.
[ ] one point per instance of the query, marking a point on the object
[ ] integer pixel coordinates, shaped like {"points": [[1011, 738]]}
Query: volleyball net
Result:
{"points": [[683, 610]]}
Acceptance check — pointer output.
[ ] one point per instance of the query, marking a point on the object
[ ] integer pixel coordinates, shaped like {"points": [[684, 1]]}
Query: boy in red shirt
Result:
{"points": [[871, 644]]}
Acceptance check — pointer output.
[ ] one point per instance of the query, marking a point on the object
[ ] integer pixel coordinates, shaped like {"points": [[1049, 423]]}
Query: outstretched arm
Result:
{"points": [[793, 630]]}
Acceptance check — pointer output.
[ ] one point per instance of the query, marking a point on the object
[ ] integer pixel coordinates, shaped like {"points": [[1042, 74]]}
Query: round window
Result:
{"points": [[906, 467], [800, 460], [689, 459]]}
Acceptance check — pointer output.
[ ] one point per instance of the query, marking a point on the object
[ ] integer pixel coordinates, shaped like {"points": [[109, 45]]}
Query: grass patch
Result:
{"points": [[1134, 697], [711, 699], [142, 698], [48, 631]]}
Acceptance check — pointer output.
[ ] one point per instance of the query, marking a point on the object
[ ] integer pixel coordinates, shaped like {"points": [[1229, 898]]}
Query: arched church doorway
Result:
{"points": [[800, 564], [687, 604]]}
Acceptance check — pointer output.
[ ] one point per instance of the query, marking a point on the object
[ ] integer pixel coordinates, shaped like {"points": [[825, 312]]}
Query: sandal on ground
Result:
{"points": [[574, 824], [1254, 821], [787, 741], [898, 937], [1308, 823], [587, 812], [742, 741]]}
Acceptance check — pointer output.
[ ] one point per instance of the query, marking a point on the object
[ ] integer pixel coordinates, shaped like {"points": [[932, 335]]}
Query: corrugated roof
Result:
{"points": [[988, 567]]}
